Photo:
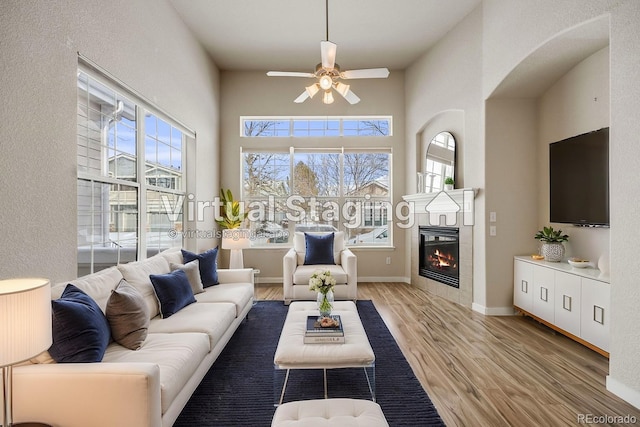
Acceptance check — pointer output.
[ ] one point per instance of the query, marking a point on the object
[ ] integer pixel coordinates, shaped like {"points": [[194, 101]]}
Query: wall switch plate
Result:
{"points": [[492, 230], [492, 217], [388, 260]]}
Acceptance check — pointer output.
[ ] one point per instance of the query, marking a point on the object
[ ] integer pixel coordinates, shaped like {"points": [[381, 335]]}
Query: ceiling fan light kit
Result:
{"points": [[328, 74]]}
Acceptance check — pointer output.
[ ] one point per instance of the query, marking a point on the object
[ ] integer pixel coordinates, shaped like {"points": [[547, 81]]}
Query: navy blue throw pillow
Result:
{"points": [[80, 329], [208, 265], [319, 249], [173, 291]]}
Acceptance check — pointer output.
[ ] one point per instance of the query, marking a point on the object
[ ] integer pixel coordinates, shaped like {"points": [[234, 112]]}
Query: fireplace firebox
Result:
{"points": [[438, 254]]}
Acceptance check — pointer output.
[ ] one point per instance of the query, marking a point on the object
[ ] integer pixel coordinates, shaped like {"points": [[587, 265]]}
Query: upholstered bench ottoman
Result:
{"points": [[329, 413]]}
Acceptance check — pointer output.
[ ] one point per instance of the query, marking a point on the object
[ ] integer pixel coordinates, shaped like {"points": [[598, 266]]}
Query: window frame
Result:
{"points": [[293, 120], [140, 183], [369, 201]]}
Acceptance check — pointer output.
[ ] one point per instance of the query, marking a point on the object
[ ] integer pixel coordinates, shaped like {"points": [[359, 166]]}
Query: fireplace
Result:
{"points": [[438, 254]]}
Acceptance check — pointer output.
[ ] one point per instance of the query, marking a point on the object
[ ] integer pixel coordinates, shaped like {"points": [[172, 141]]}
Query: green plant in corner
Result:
{"points": [[549, 235], [230, 212], [449, 181]]}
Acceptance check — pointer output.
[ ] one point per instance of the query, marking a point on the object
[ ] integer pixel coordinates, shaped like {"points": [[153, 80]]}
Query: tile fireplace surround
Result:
{"points": [[424, 207]]}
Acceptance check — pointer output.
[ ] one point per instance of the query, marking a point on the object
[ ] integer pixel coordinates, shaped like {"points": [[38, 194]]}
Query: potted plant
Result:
{"points": [[230, 215], [552, 248], [230, 221], [448, 183]]}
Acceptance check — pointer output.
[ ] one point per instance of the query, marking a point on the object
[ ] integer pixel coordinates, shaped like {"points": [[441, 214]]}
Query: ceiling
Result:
{"points": [[285, 35]]}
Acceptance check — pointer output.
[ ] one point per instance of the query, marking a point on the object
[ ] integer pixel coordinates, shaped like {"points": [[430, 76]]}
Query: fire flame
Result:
{"points": [[443, 260]]}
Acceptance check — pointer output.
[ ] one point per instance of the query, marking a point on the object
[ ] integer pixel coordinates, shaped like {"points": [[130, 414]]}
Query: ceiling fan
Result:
{"points": [[329, 75]]}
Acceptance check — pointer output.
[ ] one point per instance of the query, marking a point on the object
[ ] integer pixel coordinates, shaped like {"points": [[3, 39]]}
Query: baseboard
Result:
{"points": [[493, 311], [623, 391], [393, 279]]}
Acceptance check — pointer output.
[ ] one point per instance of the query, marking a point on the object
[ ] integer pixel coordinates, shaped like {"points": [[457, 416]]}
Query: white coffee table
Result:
{"points": [[293, 353]]}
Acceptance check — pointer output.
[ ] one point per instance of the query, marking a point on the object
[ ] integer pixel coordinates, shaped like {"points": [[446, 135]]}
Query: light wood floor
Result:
{"points": [[490, 371]]}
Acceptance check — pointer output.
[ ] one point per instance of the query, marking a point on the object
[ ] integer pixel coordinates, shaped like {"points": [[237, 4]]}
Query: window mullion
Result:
{"points": [[142, 189]]}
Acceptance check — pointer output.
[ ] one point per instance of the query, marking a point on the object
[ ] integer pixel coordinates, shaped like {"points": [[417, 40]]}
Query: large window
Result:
{"points": [[130, 176], [318, 190], [279, 126]]}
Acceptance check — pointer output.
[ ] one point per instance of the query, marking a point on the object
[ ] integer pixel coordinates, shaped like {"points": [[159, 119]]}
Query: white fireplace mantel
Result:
{"points": [[460, 200]]}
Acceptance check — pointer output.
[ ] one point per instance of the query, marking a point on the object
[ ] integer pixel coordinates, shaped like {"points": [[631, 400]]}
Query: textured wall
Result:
{"points": [[145, 45]]}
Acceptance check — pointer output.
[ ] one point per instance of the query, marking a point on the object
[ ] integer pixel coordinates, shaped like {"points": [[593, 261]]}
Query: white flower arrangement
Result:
{"points": [[322, 281]]}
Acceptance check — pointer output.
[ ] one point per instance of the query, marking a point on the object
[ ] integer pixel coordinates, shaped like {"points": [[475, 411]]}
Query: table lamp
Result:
{"points": [[236, 239], [25, 330]]}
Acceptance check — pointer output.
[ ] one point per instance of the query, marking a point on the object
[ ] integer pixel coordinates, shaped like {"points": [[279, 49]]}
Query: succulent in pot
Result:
{"points": [[552, 248]]}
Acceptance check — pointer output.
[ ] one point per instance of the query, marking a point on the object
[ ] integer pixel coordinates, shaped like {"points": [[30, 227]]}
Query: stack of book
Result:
{"points": [[317, 334]]}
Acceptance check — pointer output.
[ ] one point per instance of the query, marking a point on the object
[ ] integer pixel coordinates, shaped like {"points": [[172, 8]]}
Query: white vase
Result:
{"points": [[603, 263], [552, 252], [448, 187], [325, 303]]}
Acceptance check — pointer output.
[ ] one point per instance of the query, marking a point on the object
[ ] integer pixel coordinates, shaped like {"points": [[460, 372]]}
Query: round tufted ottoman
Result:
{"points": [[329, 413]]}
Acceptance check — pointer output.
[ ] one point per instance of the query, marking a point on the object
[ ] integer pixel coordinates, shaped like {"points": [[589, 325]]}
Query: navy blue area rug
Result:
{"points": [[239, 388]]}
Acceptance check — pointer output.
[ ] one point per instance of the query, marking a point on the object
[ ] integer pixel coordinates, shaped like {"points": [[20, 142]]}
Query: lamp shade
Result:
{"points": [[327, 97], [237, 238], [25, 319]]}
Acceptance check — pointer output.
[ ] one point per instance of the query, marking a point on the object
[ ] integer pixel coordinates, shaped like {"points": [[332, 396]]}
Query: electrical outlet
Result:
{"points": [[388, 260], [492, 230], [492, 217]]}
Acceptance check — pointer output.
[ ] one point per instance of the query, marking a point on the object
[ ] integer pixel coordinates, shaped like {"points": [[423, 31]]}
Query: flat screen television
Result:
{"points": [[579, 179]]}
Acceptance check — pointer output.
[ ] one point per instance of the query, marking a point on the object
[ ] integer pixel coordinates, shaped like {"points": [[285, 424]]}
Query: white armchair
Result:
{"points": [[296, 274]]}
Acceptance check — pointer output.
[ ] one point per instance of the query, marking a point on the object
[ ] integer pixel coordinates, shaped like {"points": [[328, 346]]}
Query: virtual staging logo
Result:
{"points": [[350, 214]]}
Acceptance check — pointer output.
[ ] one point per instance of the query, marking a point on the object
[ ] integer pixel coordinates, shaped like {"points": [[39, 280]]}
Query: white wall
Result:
{"points": [[575, 104], [142, 43], [443, 88], [255, 94], [511, 32]]}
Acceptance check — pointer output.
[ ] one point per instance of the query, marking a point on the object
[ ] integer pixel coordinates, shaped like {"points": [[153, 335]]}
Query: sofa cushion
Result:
{"points": [[173, 292], [79, 327], [299, 245], [173, 255], [97, 285], [178, 356], [128, 316], [211, 319], [319, 249], [303, 273], [137, 274], [208, 265], [238, 294], [193, 274]]}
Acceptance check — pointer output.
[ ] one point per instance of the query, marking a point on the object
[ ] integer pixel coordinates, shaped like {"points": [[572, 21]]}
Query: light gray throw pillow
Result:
{"points": [[128, 316], [192, 269]]}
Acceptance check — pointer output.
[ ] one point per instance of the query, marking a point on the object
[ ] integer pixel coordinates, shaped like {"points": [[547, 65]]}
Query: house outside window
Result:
{"points": [[318, 190], [130, 175]]}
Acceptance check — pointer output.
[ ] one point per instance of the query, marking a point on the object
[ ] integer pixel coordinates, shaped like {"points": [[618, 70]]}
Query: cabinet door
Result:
{"points": [[543, 293], [567, 302], [523, 285], [595, 313]]}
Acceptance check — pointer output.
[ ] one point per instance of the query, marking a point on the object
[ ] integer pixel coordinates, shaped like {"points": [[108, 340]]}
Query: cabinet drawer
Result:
{"points": [[543, 293], [523, 285], [595, 313], [568, 302]]}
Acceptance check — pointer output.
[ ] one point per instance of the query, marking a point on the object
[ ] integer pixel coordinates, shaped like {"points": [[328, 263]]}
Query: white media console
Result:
{"points": [[572, 301]]}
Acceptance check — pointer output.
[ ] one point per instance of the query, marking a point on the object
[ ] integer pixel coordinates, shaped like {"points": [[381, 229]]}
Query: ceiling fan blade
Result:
{"points": [[328, 52], [289, 74], [303, 97], [371, 73], [351, 97]]}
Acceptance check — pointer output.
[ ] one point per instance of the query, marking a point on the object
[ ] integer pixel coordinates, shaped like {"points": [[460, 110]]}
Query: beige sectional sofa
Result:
{"points": [[147, 387]]}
